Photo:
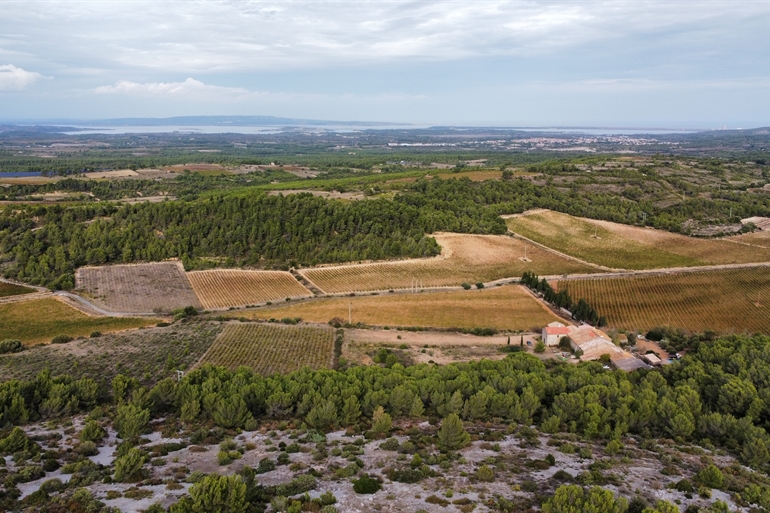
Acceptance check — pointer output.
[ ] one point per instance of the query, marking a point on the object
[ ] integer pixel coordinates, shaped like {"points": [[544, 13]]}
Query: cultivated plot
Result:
{"points": [[735, 300], [270, 348], [138, 288], [39, 320], [509, 307], [223, 288], [464, 258], [629, 247]]}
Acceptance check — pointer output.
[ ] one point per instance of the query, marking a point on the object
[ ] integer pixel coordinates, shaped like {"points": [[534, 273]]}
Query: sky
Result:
{"points": [[640, 63]]}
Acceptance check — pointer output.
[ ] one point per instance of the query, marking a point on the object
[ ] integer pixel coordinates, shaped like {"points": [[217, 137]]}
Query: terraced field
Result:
{"points": [[271, 348], [53, 317], [509, 307], [223, 288], [464, 258], [628, 247], [138, 288], [728, 301]]}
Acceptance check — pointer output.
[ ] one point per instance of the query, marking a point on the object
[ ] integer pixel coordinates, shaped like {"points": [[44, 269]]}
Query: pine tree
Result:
{"points": [[452, 436]]}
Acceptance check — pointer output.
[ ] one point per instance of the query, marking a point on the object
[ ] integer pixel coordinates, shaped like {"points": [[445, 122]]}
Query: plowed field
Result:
{"points": [[464, 258], [223, 288], [729, 301], [271, 348], [139, 288]]}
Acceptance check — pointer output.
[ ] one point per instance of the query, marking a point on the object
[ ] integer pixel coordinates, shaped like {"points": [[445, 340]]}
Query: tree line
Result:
{"points": [[581, 310]]}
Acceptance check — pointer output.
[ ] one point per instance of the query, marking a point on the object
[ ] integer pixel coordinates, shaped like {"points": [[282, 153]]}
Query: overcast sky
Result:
{"points": [[638, 63]]}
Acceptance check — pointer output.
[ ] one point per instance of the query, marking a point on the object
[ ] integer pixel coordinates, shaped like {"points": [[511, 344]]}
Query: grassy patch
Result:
{"points": [[38, 321], [629, 247]]}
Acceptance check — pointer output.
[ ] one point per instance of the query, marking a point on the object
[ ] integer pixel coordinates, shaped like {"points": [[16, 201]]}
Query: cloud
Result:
{"points": [[260, 35], [16, 79], [189, 87]]}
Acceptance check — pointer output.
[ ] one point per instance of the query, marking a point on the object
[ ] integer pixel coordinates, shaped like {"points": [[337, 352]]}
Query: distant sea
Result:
{"points": [[266, 130]]}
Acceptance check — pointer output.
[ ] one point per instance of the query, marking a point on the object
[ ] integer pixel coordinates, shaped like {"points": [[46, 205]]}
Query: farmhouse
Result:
{"points": [[553, 332], [593, 343]]}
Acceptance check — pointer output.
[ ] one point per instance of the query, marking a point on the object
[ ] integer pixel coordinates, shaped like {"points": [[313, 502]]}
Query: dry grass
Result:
{"points": [[464, 258], [138, 288], [761, 238], [509, 307], [223, 288], [629, 247], [722, 301], [52, 317], [271, 348]]}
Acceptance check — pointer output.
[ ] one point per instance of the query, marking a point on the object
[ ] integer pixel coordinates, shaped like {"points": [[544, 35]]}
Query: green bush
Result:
{"points": [[96, 334], [467, 286], [711, 477], [366, 485], [92, 432], [11, 346], [61, 339]]}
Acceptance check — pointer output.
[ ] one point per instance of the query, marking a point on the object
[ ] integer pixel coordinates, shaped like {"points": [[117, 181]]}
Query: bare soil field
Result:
{"points": [[223, 288], [146, 199], [53, 317], [464, 258], [509, 307], [148, 354], [629, 247], [28, 180], [179, 168], [120, 173], [272, 348], [728, 301], [429, 346], [137, 288]]}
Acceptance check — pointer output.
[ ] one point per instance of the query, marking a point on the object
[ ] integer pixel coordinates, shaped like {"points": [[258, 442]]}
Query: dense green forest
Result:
{"points": [[717, 397]]}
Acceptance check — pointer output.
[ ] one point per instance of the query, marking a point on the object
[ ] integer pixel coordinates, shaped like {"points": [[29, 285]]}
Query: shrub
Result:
{"points": [[92, 432], [711, 476], [485, 474], [87, 448], [96, 334], [391, 444], [366, 485], [11, 346], [265, 465], [128, 467], [540, 347], [613, 447], [467, 286], [61, 339], [452, 435], [479, 285]]}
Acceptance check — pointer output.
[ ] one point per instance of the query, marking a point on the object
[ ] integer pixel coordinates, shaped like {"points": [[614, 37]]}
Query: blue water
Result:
{"points": [[20, 174]]}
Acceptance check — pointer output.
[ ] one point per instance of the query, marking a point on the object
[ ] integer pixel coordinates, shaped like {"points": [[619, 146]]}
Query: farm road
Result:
{"points": [[656, 272], [90, 306]]}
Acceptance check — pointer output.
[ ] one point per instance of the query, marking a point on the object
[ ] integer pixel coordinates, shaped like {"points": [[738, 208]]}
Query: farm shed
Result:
{"points": [[652, 359], [629, 364], [553, 332]]}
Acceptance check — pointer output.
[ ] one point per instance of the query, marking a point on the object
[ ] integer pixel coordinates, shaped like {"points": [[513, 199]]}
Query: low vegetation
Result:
{"points": [[10, 289]]}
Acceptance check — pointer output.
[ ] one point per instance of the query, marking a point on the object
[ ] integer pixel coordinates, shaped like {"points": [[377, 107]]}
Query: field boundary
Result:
{"points": [[563, 255]]}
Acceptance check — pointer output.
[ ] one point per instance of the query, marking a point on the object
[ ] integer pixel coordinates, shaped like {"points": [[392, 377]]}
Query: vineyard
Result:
{"points": [[727, 301], [464, 258], [270, 348], [509, 307], [139, 288], [9, 289], [53, 317], [628, 247], [229, 287]]}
